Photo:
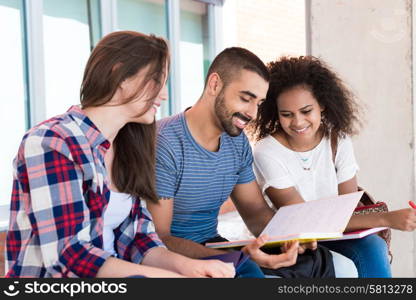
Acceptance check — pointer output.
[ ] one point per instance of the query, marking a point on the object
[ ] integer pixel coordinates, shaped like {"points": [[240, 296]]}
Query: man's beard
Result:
{"points": [[226, 118]]}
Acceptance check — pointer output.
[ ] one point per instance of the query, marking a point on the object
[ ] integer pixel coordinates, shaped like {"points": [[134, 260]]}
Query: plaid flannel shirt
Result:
{"points": [[58, 201]]}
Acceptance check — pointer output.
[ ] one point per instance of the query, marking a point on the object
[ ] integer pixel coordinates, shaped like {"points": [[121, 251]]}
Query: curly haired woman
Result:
{"points": [[307, 107]]}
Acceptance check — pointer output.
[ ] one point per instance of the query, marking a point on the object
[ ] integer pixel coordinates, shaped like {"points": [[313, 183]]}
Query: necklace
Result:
{"points": [[305, 159]]}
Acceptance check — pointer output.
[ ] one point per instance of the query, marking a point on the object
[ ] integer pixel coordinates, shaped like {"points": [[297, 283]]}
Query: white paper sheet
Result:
{"points": [[324, 215]]}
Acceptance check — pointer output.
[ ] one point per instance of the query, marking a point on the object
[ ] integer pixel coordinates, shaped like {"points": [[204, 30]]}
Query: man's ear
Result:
{"points": [[214, 84]]}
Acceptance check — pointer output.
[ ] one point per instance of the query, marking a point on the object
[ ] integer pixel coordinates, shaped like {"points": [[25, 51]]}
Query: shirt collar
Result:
{"points": [[93, 134]]}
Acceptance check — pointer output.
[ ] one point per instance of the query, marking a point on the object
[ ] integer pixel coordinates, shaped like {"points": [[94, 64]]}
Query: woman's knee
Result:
{"points": [[373, 243]]}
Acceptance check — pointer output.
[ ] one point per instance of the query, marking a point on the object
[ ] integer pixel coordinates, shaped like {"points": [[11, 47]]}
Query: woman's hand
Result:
{"points": [[272, 261], [403, 219], [208, 268]]}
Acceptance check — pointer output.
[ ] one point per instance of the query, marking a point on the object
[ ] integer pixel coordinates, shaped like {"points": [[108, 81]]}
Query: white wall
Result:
{"points": [[369, 44]]}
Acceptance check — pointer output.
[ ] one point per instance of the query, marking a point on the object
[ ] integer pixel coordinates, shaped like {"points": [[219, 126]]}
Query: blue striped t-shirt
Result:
{"points": [[198, 180]]}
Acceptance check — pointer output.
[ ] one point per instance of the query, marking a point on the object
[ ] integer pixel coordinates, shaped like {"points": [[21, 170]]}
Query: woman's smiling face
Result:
{"points": [[299, 113]]}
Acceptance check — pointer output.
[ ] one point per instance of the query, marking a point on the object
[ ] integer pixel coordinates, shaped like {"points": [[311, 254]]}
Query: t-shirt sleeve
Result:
{"points": [[166, 171], [345, 162], [246, 173], [270, 172]]}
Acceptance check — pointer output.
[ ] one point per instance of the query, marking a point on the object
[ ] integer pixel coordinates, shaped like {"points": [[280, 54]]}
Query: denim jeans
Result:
{"points": [[248, 269], [369, 254]]}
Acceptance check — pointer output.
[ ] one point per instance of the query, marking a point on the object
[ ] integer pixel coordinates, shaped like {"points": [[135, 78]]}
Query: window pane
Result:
{"points": [[194, 43], [12, 91], [146, 16], [94, 22], [67, 47]]}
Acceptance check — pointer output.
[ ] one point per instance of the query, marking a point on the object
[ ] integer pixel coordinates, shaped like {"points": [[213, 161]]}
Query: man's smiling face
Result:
{"points": [[237, 103]]}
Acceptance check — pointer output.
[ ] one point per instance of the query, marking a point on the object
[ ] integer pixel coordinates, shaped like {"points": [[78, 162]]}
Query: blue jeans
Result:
{"points": [[369, 254], [248, 269]]}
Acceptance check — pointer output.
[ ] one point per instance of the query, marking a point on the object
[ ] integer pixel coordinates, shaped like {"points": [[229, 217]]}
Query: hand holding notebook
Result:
{"points": [[313, 220]]}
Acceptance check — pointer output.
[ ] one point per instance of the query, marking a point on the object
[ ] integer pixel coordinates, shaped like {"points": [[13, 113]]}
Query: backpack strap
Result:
{"points": [[334, 146]]}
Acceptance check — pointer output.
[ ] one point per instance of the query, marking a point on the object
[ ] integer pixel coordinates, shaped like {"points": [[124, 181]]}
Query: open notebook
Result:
{"points": [[357, 234], [313, 220]]}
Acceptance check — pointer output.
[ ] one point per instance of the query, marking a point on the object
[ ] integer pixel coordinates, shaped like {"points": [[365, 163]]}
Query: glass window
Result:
{"points": [[13, 121], [146, 16], [194, 50], [94, 20], [67, 46]]}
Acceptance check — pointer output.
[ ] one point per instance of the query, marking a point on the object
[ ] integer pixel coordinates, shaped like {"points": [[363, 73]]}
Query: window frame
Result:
{"points": [[33, 12]]}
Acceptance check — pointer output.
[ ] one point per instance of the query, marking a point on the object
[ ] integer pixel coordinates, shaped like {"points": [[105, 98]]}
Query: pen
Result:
{"points": [[412, 204]]}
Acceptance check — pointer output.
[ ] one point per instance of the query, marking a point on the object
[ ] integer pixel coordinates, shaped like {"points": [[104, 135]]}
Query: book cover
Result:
{"points": [[237, 258], [280, 240], [358, 234]]}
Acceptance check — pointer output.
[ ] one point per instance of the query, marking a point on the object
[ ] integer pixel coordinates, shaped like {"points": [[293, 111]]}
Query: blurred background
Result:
{"points": [[44, 46]]}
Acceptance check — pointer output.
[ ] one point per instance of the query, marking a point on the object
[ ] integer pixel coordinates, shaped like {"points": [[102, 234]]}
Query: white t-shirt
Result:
{"points": [[279, 167], [118, 209]]}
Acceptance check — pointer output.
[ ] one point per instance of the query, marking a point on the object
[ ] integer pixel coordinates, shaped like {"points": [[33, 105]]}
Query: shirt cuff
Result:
{"points": [[143, 243], [246, 177], [278, 183], [83, 262], [347, 173]]}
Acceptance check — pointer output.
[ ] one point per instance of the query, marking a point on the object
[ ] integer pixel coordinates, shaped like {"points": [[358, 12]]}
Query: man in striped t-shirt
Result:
{"points": [[203, 157]]}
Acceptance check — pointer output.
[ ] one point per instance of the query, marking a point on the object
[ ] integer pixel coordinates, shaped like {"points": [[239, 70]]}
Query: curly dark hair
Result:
{"points": [[341, 114]]}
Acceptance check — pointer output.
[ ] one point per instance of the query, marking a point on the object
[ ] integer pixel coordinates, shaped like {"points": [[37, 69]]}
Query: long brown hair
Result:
{"points": [[118, 56]]}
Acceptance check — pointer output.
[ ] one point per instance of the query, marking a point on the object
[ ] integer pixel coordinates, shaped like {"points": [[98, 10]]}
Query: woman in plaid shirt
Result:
{"points": [[69, 167]]}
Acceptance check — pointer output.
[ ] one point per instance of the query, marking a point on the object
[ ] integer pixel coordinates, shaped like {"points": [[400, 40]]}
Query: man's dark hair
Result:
{"points": [[231, 61]]}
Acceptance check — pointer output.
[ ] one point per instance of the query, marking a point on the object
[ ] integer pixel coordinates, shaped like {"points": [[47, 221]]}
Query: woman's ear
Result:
{"points": [[115, 68], [122, 85]]}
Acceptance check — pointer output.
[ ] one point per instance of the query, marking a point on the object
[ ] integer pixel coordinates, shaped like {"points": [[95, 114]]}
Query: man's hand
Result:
{"points": [[311, 245], [208, 268], [272, 261]]}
